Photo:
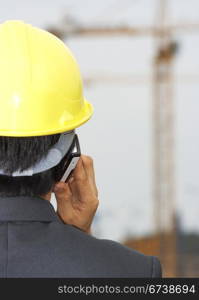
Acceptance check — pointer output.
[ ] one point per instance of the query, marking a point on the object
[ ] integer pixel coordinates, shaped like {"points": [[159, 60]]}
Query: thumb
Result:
{"points": [[62, 191]]}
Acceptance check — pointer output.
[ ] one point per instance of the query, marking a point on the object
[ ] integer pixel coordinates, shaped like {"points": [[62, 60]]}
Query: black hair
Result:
{"points": [[20, 153]]}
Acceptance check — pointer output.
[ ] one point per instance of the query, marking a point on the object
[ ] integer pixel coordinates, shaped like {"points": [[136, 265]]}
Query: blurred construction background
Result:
{"points": [[140, 66]]}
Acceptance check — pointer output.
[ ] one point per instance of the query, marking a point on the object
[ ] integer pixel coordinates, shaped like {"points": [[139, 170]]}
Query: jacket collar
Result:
{"points": [[27, 208]]}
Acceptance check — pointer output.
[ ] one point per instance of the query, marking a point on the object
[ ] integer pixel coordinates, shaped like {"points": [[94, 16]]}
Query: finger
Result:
{"points": [[78, 189], [89, 167], [62, 191], [79, 172], [84, 171]]}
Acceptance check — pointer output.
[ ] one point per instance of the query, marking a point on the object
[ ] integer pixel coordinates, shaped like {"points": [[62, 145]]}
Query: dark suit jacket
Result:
{"points": [[34, 242]]}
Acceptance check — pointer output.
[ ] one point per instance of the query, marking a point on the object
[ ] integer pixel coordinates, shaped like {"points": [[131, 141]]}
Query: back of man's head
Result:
{"points": [[20, 153]]}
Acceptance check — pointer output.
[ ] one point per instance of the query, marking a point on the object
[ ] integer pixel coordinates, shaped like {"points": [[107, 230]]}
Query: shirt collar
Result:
{"points": [[27, 208]]}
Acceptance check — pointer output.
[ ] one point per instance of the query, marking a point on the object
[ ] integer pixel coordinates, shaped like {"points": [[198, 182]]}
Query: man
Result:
{"points": [[42, 104]]}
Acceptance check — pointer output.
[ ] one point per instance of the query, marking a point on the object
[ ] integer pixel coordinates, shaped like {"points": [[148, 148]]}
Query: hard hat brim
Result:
{"points": [[83, 116]]}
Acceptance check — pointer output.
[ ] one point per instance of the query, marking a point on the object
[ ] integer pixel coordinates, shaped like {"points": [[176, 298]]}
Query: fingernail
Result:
{"points": [[71, 179]]}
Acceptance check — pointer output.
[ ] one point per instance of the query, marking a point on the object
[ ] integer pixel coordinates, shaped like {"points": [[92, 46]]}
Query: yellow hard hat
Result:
{"points": [[40, 84]]}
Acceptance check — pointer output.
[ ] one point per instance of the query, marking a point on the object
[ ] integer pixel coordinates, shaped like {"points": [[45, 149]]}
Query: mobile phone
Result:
{"points": [[71, 159]]}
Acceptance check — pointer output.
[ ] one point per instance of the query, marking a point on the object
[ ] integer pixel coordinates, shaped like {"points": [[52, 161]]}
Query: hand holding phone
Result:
{"points": [[77, 199]]}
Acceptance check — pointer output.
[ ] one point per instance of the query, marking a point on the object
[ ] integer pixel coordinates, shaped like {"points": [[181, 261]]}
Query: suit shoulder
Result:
{"points": [[109, 257], [150, 265]]}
